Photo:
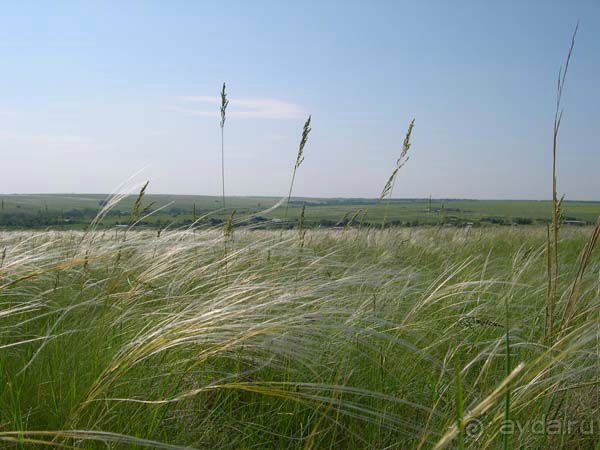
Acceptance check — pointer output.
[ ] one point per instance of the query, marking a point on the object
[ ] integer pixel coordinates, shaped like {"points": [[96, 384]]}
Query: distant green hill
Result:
{"points": [[77, 210]]}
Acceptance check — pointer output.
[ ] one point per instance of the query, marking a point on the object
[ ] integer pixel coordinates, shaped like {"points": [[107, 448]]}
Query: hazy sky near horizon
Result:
{"points": [[95, 91]]}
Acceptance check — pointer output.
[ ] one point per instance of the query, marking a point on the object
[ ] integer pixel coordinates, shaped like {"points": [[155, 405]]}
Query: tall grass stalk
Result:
{"points": [[136, 210], [224, 104], [558, 114], [301, 241], [507, 370], [388, 189], [306, 129], [459, 404], [584, 262], [549, 316], [227, 238]]}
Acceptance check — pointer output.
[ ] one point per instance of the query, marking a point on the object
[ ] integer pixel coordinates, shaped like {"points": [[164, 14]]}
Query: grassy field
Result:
{"points": [[356, 338], [61, 211]]}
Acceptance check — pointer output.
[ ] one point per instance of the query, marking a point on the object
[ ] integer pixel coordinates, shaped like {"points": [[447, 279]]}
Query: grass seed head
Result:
{"points": [[224, 104]]}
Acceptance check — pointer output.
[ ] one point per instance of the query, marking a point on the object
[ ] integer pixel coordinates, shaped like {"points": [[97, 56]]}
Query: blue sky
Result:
{"points": [[93, 92]]}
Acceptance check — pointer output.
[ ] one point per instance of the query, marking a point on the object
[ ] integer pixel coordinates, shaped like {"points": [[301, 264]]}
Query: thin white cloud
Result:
{"points": [[251, 108]]}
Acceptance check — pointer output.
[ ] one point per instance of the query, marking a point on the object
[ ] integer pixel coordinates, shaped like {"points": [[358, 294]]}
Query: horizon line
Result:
{"points": [[40, 194]]}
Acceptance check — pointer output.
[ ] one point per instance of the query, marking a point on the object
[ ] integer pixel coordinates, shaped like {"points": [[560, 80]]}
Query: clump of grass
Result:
{"points": [[167, 346]]}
